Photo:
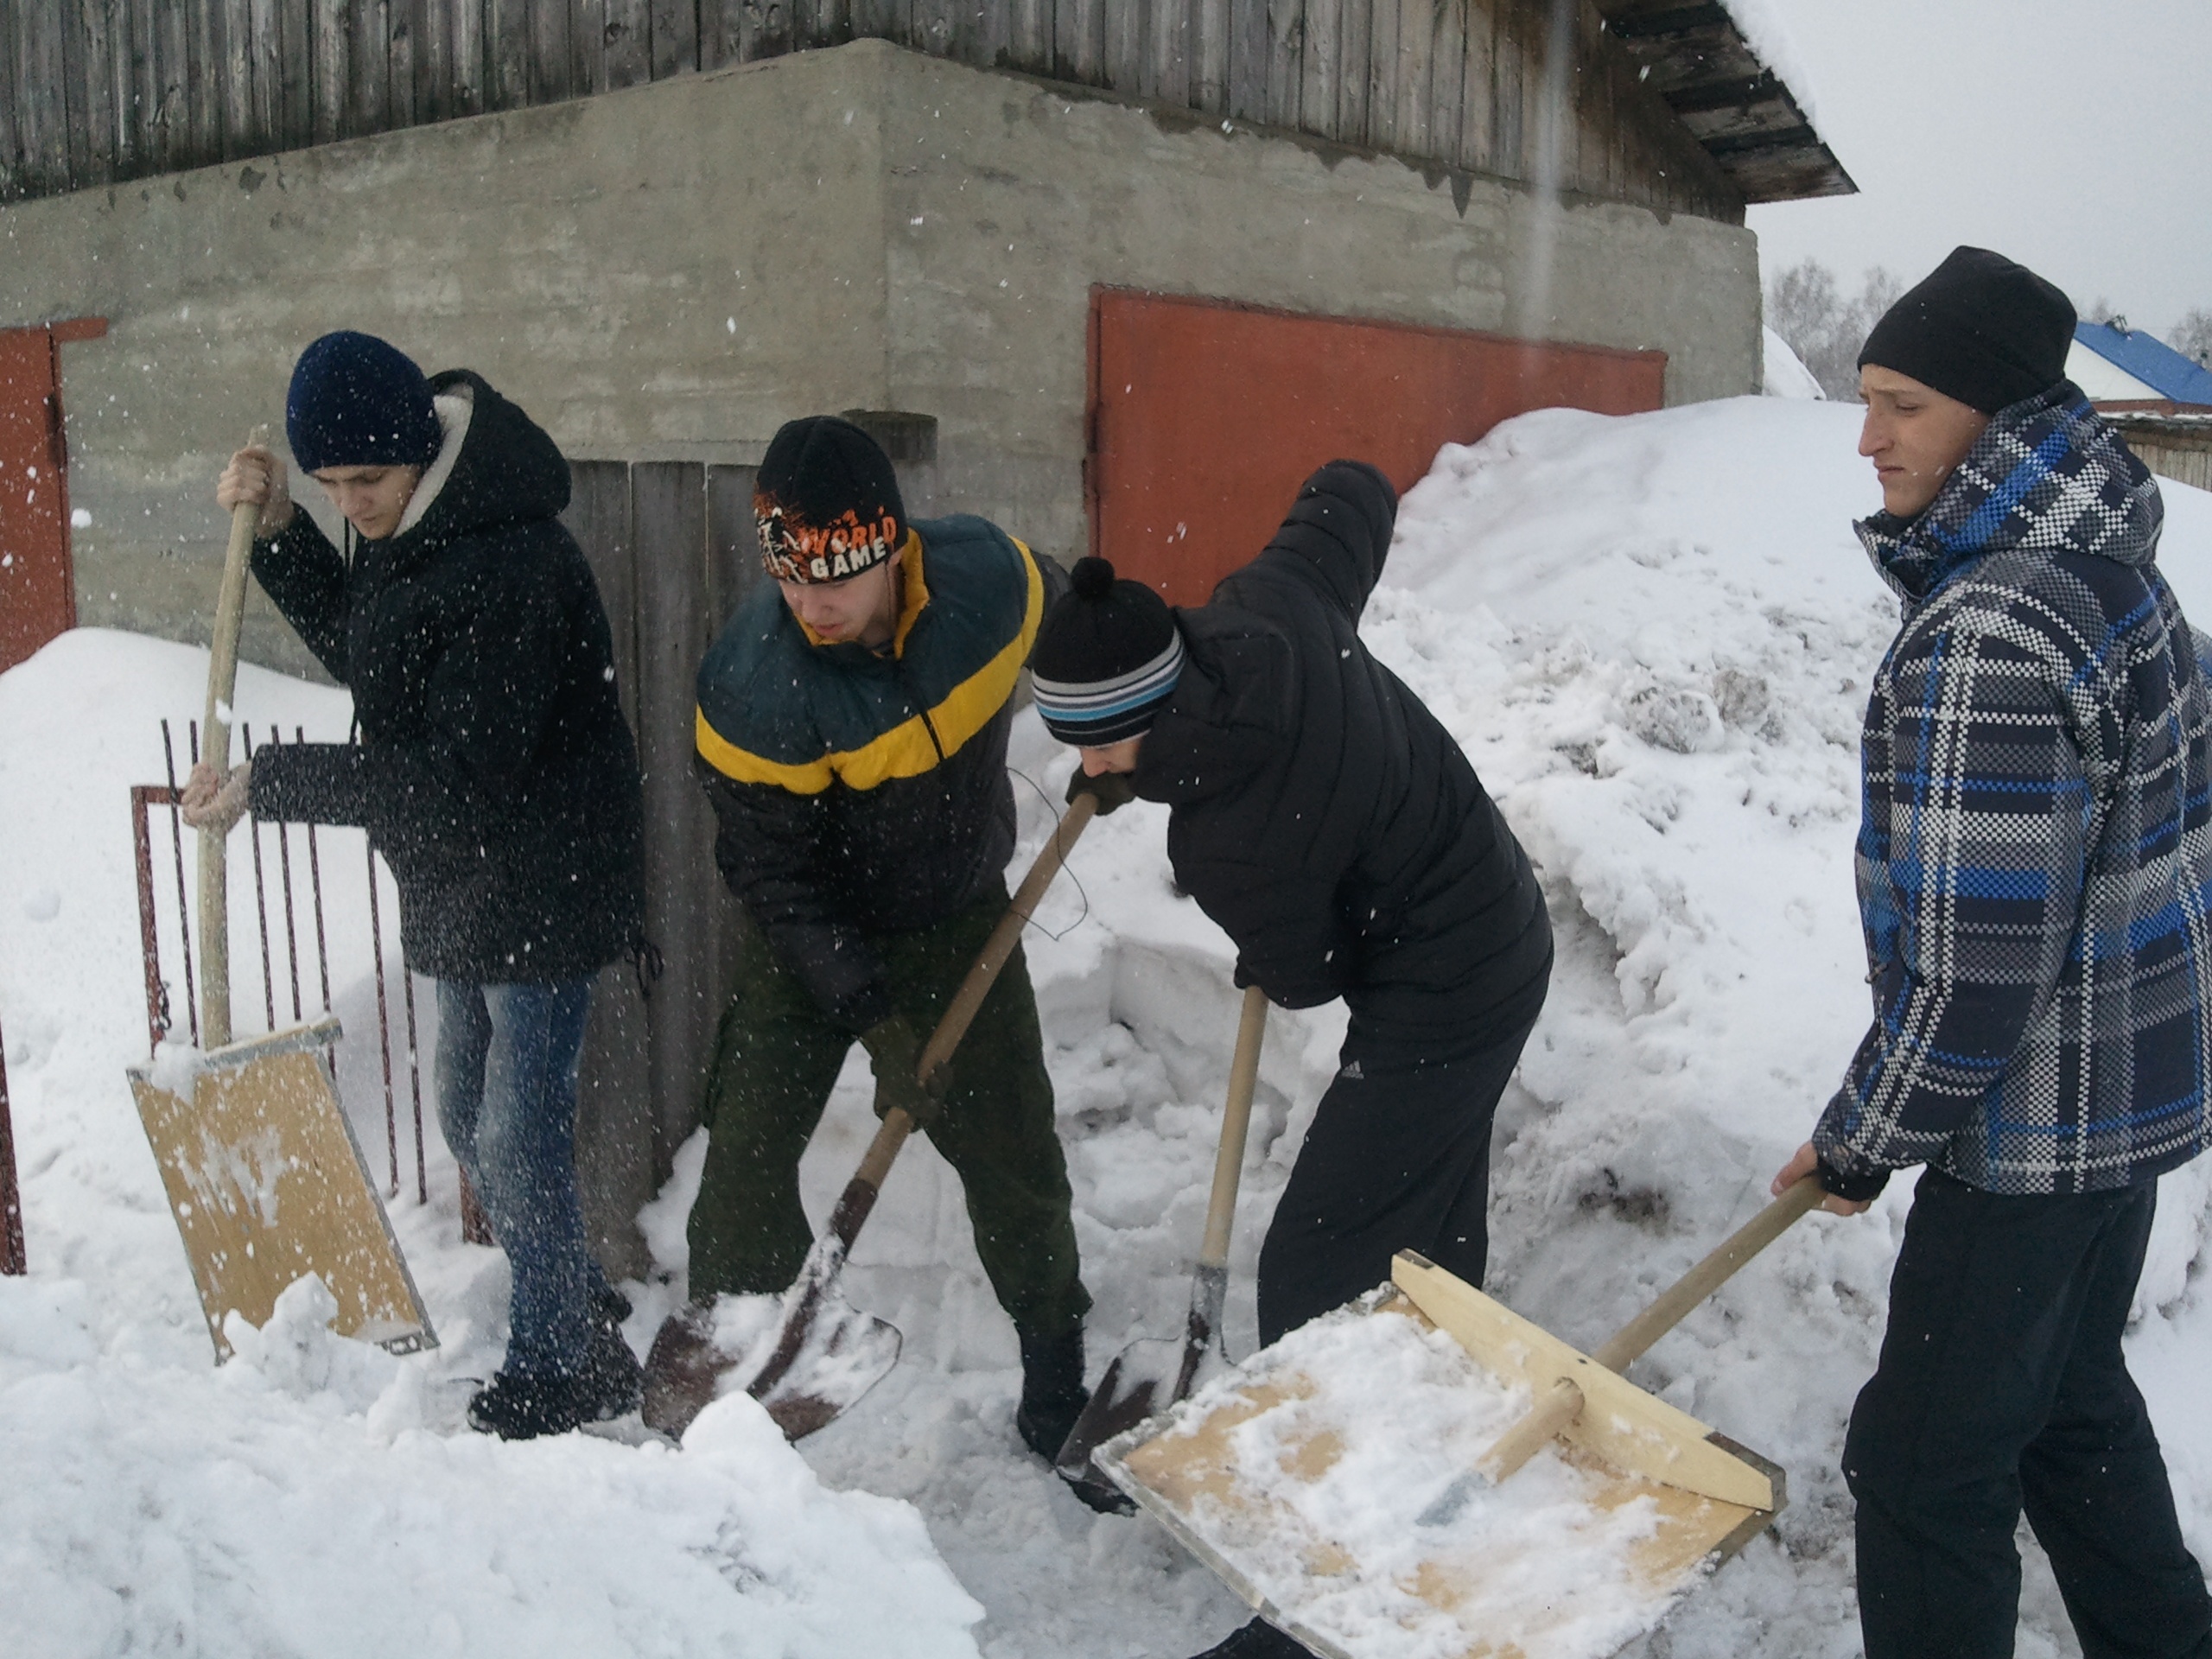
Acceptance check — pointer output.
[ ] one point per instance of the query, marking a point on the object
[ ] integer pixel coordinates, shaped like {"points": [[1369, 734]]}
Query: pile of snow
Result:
{"points": [[1782, 373], [1653, 636], [317, 1494]]}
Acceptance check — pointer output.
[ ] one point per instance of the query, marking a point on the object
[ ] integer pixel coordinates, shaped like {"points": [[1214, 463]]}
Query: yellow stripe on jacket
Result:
{"points": [[905, 751]]}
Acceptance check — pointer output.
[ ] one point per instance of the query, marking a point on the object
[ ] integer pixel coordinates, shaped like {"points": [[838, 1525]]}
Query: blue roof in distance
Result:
{"points": [[2149, 359]]}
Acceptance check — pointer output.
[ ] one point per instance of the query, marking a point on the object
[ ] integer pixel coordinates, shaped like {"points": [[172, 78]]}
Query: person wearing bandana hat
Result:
{"points": [[1324, 817], [2035, 880], [852, 736]]}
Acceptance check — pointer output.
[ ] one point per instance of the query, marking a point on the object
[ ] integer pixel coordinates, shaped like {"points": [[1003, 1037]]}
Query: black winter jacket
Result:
{"points": [[1322, 816], [494, 771]]}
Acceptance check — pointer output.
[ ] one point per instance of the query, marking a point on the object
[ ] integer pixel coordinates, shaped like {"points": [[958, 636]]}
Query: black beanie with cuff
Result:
{"points": [[1978, 329]]}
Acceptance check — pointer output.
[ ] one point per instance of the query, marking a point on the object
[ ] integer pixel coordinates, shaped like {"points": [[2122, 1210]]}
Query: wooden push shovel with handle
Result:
{"points": [[1152, 1374], [1565, 1384], [808, 1354], [262, 1170], [1269, 1475]]}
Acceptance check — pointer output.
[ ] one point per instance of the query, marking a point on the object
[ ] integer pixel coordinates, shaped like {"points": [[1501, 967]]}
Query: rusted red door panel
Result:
{"points": [[1205, 416], [37, 595]]}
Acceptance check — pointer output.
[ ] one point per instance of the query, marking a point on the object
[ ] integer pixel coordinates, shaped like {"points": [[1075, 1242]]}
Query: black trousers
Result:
{"points": [[2001, 1386], [1398, 1158]]}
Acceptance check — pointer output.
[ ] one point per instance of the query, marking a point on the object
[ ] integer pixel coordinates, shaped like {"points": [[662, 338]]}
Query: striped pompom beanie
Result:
{"points": [[1108, 656]]}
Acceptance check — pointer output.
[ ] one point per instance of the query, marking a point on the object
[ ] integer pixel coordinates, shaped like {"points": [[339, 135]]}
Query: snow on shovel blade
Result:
{"points": [[808, 1356], [1144, 1379], [1140, 1384]]}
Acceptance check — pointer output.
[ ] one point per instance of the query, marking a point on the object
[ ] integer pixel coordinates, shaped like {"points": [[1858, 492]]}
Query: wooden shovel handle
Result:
{"points": [[1235, 1125], [215, 750], [1560, 1404], [860, 1193], [1628, 1342]]}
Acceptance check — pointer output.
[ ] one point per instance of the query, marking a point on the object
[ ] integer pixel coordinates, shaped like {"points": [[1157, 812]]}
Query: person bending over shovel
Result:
{"points": [[1322, 816], [2035, 876], [496, 775], [852, 735]]}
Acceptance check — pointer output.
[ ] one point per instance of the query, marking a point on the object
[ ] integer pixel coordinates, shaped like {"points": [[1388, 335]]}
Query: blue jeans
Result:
{"points": [[507, 1103]]}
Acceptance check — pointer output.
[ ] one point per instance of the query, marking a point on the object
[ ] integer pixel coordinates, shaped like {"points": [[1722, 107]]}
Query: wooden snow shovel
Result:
{"points": [[262, 1170], [1312, 1486], [1152, 1374], [808, 1354]]}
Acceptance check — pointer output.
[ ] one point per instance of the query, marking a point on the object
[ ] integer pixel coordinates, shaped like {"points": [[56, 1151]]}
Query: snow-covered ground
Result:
{"points": [[1652, 634]]}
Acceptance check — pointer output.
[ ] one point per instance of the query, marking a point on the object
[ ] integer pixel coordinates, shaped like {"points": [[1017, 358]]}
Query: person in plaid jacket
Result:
{"points": [[2035, 880]]}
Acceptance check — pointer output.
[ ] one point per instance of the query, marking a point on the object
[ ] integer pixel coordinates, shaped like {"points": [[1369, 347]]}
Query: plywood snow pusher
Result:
{"points": [[1356, 1481], [262, 1170]]}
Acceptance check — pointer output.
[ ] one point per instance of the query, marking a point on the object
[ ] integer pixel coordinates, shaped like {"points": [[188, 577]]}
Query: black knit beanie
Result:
{"points": [[1978, 329], [358, 401], [1107, 658], [826, 502]]}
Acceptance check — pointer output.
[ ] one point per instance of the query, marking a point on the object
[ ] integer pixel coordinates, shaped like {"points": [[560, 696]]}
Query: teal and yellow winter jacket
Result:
{"points": [[860, 793]]}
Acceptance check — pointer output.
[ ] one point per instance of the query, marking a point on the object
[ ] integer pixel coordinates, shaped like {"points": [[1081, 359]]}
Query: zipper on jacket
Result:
{"points": [[928, 725]]}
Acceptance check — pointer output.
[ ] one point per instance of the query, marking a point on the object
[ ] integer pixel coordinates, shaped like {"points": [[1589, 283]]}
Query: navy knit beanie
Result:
{"points": [[1978, 329], [357, 401], [1107, 659], [826, 502]]}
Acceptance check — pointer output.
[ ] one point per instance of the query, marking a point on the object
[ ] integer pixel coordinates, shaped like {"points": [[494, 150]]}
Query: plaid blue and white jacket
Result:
{"points": [[2035, 854]]}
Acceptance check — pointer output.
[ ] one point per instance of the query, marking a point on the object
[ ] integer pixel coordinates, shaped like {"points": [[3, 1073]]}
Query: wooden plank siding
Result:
{"points": [[94, 92], [673, 549]]}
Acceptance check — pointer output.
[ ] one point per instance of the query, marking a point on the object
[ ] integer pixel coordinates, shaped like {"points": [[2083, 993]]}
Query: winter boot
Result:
{"points": [[522, 1407], [1258, 1640], [1052, 1395]]}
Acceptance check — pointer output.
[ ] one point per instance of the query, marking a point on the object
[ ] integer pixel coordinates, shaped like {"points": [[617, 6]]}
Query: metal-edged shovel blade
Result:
{"points": [[1144, 1379], [1139, 1383], [832, 1355]]}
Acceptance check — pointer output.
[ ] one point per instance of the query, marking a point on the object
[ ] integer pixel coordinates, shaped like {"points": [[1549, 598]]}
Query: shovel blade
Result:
{"points": [[836, 1354], [1144, 1379]]}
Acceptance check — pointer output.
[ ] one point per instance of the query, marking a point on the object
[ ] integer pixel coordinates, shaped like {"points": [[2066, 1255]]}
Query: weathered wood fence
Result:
{"points": [[673, 548], [94, 92]]}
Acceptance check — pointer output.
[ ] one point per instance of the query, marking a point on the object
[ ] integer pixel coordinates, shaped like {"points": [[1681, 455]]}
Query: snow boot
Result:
{"points": [[1052, 1395], [523, 1407], [1257, 1640]]}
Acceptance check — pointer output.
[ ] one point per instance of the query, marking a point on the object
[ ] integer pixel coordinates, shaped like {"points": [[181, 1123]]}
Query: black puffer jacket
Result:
{"points": [[494, 771], [1321, 815]]}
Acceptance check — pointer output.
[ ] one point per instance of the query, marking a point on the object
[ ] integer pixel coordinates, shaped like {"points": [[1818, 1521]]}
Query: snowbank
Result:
{"points": [[1652, 634], [1781, 372], [315, 1495]]}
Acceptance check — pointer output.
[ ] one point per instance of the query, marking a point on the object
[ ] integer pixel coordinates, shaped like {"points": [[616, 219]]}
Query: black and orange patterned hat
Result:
{"points": [[826, 501]]}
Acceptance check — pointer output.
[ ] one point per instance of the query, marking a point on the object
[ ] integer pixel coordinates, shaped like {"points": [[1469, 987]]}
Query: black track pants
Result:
{"points": [[1398, 1158], [2001, 1387]]}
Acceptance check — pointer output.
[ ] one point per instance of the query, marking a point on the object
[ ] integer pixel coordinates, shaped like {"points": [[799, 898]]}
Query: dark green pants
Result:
{"points": [[776, 1059]]}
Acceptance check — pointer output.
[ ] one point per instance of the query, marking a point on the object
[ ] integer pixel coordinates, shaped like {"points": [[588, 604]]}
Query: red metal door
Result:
{"points": [[1206, 417], [37, 592]]}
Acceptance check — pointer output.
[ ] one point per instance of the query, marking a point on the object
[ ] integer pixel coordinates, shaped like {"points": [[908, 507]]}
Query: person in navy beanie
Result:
{"points": [[494, 772], [1324, 817], [2035, 876]]}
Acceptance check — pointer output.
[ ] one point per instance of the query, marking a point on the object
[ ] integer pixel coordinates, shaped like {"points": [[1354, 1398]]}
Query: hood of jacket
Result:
{"points": [[2047, 473], [496, 467], [1233, 710]]}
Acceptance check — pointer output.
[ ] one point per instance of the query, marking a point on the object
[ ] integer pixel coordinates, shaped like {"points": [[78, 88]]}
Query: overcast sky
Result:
{"points": [[2074, 136]]}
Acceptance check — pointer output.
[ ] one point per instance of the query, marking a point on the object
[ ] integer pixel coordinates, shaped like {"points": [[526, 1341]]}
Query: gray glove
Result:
{"points": [[894, 1049]]}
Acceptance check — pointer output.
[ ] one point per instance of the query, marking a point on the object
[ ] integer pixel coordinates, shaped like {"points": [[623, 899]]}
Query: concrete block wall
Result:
{"points": [[670, 271]]}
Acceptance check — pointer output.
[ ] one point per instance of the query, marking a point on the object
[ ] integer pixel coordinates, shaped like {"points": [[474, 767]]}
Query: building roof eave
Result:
{"points": [[1695, 57]]}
